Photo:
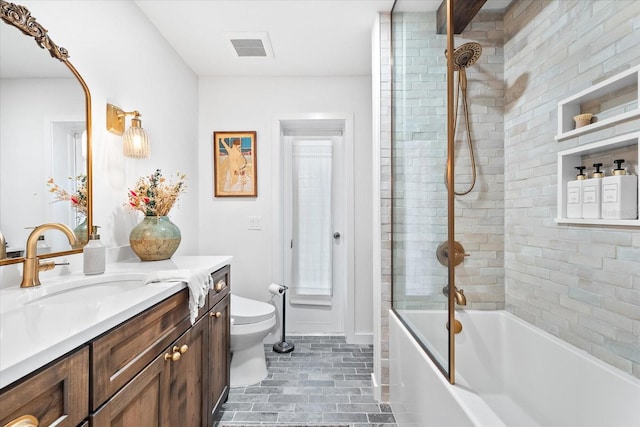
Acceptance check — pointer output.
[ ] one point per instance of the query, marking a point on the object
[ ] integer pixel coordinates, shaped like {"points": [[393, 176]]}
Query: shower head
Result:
{"points": [[466, 55]]}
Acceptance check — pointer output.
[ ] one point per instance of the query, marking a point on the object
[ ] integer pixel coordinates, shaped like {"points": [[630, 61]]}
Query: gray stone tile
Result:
{"points": [[323, 398], [317, 383], [262, 390], [288, 398], [316, 407], [299, 417], [237, 406], [323, 382], [273, 407], [342, 417], [381, 418], [342, 390], [367, 398], [358, 407], [248, 398], [255, 416]]}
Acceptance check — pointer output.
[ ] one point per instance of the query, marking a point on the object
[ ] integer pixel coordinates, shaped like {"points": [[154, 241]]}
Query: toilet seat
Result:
{"points": [[246, 311]]}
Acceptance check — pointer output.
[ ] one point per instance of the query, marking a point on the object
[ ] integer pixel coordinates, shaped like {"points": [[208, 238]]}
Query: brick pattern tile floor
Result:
{"points": [[323, 382]]}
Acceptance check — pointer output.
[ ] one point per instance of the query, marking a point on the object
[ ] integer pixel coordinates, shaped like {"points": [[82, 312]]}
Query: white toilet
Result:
{"points": [[251, 321]]}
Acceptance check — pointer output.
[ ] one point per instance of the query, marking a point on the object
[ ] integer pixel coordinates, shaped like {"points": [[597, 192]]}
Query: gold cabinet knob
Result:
{"points": [[220, 286], [174, 357], [182, 349], [217, 314]]}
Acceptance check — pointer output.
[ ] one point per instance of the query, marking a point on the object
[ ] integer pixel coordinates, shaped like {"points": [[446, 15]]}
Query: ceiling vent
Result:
{"points": [[250, 44]]}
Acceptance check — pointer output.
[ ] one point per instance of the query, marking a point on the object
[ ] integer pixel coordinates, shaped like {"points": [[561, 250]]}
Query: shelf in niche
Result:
{"points": [[571, 106], [567, 159]]}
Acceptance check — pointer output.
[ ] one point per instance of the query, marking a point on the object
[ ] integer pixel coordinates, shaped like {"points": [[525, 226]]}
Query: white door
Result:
{"points": [[314, 241]]}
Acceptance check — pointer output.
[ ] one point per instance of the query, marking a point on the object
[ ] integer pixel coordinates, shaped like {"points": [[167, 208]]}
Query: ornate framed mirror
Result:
{"points": [[45, 138]]}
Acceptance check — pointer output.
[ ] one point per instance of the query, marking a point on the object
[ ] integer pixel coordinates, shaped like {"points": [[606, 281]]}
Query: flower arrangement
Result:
{"points": [[153, 195], [78, 199]]}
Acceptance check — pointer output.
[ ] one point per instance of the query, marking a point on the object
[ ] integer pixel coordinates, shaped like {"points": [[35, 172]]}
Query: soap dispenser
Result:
{"points": [[574, 194], [620, 194], [42, 247], [592, 194], [94, 254]]}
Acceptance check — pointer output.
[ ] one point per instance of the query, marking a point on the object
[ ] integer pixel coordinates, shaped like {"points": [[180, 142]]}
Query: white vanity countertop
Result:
{"points": [[38, 325]]}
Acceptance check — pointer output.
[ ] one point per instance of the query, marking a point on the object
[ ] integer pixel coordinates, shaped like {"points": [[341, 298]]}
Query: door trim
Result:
{"points": [[349, 229]]}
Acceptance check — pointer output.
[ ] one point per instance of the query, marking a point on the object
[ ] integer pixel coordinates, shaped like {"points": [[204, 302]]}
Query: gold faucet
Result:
{"points": [[461, 299], [32, 267], [3, 246]]}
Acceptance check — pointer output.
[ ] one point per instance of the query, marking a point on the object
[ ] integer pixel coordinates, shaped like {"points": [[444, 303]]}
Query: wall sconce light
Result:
{"points": [[136, 140]]}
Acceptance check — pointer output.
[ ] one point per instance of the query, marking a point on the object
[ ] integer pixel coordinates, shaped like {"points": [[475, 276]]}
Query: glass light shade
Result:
{"points": [[136, 143]]}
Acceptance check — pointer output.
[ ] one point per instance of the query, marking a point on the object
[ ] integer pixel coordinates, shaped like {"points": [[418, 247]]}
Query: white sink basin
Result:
{"points": [[75, 292], [89, 291]]}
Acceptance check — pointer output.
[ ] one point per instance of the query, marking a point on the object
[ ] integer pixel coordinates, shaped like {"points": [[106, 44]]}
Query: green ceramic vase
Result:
{"points": [[82, 232], [155, 238]]}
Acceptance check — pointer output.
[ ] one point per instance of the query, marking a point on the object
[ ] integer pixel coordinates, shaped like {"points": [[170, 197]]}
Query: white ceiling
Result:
{"points": [[309, 37]]}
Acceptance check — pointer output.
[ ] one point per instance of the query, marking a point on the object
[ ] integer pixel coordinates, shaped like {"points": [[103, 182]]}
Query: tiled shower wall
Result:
{"points": [[385, 201], [419, 164], [581, 283]]}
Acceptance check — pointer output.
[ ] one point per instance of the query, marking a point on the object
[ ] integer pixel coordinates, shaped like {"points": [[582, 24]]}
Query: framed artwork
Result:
{"points": [[234, 163]]}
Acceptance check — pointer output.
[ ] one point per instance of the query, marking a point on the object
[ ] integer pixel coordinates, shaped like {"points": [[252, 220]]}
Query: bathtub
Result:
{"points": [[508, 373]]}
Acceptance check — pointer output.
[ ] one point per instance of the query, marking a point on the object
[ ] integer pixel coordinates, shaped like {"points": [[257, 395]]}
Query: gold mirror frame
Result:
{"points": [[20, 17]]}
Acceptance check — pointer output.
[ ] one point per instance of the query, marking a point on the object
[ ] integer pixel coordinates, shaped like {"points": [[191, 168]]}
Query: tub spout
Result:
{"points": [[461, 299]]}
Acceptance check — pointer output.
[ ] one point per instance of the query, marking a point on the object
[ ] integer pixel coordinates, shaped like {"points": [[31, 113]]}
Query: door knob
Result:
{"points": [[336, 235]]}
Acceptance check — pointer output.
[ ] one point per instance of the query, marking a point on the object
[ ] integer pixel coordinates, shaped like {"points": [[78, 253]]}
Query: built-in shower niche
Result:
{"points": [[611, 101], [605, 152]]}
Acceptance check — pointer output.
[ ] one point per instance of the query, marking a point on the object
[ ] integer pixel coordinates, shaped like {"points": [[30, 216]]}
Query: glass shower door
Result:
{"points": [[419, 161]]}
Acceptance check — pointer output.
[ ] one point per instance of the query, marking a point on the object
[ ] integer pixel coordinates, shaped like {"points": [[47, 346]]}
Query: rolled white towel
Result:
{"points": [[199, 283]]}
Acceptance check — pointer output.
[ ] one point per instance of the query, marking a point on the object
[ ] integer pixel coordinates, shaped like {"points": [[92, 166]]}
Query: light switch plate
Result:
{"points": [[255, 223]]}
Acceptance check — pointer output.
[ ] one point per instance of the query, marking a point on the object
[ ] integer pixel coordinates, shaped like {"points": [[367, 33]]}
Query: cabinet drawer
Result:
{"points": [[123, 352], [221, 285], [58, 393]]}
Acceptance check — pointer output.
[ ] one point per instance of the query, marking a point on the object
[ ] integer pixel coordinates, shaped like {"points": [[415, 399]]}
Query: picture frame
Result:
{"points": [[234, 164]]}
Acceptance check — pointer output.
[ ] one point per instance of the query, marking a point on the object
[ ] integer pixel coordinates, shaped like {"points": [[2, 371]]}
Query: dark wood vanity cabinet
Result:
{"points": [[57, 393], [154, 370], [188, 381]]}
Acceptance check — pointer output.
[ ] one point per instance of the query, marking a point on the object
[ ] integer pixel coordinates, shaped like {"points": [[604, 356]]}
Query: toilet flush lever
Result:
{"points": [[336, 235]]}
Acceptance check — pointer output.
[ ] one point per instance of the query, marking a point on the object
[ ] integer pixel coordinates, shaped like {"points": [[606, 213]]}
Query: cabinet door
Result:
{"points": [[220, 356], [143, 402], [57, 394], [188, 377]]}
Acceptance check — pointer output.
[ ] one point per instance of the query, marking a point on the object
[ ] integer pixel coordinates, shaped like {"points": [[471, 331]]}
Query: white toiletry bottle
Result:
{"points": [[574, 194], [94, 254], [41, 246], [591, 194], [620, 194]]}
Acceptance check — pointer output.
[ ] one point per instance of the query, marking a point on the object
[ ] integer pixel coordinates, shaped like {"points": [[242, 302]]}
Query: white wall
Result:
{"points": [[125, 61], [244, 104]]}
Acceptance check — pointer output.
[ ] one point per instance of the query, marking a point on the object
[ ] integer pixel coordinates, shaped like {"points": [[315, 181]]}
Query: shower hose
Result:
{"points": [[462, 87]]}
